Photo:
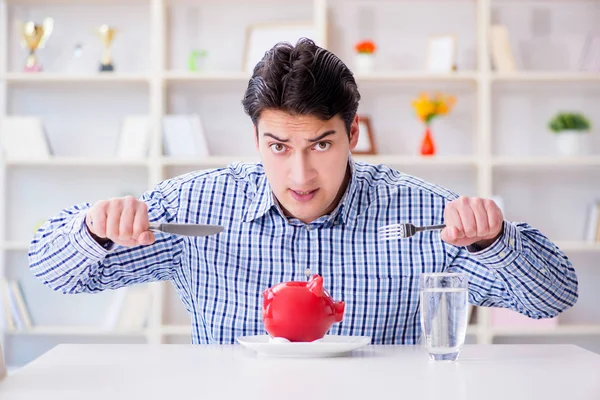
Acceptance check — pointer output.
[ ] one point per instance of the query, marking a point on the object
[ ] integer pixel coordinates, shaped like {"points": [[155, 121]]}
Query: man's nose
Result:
{"points": [[302, 171]]}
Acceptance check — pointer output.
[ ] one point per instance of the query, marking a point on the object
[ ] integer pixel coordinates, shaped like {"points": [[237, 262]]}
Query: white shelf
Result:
{"points": [[412, 76], [176, 330], [578, 246], [72, 331], [474, 91], [375, 159], [216, 76], [205, 161], [547, 77], [78, 161], [565, 330], [405, 160], [15, 246], [23, 77], [546, 162]]}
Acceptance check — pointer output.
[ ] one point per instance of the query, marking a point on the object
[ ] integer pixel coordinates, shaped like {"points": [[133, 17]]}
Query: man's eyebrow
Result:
{"points": [[275, 137], [321, 136], [318, 138]]}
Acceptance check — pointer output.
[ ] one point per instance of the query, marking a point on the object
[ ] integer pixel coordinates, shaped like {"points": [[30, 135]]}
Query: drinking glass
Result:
{"points": [[444, 309]]}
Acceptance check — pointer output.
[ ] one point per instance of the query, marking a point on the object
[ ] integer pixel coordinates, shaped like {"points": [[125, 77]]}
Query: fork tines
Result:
{"points": [[396, 231]]}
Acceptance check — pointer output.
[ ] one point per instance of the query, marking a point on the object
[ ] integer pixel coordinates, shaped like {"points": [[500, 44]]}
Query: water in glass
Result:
{"points": [[444, 310]]}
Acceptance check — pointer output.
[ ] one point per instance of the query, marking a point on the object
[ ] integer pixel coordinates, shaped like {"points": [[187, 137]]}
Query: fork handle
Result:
{"points": [[430, 227]]}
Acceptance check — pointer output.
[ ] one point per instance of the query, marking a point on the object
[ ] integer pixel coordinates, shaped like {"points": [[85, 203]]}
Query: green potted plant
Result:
{"points": [[569, 128]]}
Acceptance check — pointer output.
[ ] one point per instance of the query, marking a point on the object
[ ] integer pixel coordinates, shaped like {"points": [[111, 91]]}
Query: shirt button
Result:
{"points": [[502, 254], [544, 271], [512, 242], [308, 227]]}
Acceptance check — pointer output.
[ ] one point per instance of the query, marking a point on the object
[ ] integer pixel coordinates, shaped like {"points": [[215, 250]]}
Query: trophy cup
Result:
{"points": [[107, 34], [35, 36]]}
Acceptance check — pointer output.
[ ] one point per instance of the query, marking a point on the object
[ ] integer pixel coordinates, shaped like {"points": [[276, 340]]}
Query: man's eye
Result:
{"points": [[277, 148], [322, 146]]}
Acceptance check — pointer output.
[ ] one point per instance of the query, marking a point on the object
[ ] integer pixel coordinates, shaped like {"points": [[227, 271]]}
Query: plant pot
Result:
{"points": [[570, 143], [364, 62]]}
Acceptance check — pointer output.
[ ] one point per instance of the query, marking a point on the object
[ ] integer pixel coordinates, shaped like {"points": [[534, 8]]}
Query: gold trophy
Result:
{"points": [[107, 35], [35, 36]]}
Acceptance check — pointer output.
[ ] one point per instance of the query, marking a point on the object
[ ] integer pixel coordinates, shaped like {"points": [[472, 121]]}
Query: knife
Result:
{"points": [[186, 229]]}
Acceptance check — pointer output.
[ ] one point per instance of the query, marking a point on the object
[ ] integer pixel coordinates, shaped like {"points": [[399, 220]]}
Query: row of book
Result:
{"points": [[505, 59], [25, 138], [14, 313], [129, 309]]}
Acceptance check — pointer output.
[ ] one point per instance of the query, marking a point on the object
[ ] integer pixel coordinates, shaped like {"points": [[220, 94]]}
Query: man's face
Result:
{"points": [[305, 160]]}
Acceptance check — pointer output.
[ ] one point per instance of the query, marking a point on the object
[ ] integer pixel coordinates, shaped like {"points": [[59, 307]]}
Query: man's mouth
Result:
{"points": [[303, 195]]}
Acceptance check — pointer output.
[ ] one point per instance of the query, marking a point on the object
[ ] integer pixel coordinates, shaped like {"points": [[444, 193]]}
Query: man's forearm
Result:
{"points": [[530, 274]]}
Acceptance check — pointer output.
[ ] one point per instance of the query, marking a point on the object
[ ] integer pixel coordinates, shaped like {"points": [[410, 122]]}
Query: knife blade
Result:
{"points": [[187, 229]]}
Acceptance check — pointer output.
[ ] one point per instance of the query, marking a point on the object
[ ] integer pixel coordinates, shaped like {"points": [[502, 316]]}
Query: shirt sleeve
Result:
{"points": [[522, 270], [64, 256]]}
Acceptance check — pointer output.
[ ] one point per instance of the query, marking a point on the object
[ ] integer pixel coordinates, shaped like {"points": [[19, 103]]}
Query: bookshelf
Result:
{"points": [[493, 144]]}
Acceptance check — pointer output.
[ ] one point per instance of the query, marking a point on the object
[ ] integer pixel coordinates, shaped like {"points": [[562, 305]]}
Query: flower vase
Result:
{"points": [[364, 63], [427, 143]]}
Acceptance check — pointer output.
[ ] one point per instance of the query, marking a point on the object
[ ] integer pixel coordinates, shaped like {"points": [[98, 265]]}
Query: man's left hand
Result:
{"points": [[472, 220]]}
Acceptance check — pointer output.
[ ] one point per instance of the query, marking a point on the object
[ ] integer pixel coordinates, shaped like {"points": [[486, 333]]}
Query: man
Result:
{"points": [[307, 208]]}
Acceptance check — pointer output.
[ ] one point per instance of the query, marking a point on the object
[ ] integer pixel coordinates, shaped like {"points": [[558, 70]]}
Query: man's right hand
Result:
{"points": [[123, 220]]}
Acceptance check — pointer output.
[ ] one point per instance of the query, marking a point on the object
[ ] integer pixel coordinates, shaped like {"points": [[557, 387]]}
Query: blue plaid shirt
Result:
{"points": [[220, 278]]}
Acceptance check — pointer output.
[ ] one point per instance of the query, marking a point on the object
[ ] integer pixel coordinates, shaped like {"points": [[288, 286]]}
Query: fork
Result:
{"points": [[405, 230]]}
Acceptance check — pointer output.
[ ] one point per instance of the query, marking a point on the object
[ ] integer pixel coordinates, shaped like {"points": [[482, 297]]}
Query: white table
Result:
{"points": [[564, 372]]}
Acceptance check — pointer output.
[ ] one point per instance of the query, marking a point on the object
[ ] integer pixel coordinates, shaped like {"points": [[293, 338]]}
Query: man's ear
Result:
{"points": [[354, 133]]}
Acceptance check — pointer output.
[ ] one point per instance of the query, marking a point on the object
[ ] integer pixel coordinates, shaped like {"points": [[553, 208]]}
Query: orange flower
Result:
{"points": [[365, 46], [427, 108]]}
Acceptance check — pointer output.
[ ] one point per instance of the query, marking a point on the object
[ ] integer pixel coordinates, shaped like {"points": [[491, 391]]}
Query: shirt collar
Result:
{"points": [[346, 210]]}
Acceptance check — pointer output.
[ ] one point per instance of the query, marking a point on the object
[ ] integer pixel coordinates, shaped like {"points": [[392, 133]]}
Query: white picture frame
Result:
{"points": [[260, 38], [441, 53]]}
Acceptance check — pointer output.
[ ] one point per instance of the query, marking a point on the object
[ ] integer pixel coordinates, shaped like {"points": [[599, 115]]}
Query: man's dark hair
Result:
{"points": [[302, 80]]}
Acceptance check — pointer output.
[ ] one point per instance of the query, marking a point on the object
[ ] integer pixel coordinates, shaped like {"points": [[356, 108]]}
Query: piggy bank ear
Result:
{"points": [[315, 285]]}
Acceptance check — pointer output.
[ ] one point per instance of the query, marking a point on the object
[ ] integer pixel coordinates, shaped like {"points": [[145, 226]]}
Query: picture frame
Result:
{"points": [[441, 53], [366, 137], [260, 38]]}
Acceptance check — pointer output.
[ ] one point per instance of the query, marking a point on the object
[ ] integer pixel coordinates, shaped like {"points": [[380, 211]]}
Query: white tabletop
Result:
{"points": [[373, 372]]}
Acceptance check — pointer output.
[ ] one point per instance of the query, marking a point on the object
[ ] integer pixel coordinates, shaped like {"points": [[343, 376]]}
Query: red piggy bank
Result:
{"points": [[300, 311]]}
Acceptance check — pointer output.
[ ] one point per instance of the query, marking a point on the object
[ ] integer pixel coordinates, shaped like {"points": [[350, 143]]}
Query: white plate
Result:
{"points": [[328, 346]]}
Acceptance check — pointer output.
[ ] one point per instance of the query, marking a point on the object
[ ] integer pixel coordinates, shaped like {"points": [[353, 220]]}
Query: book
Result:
{"points": [[503, 57], [592, 223], [9, 322], [115, 308], [3, 368], [23, 310], [589, 60], [507, 318], [23, 138], [183, 136], [134, 139], [135, 310]]}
